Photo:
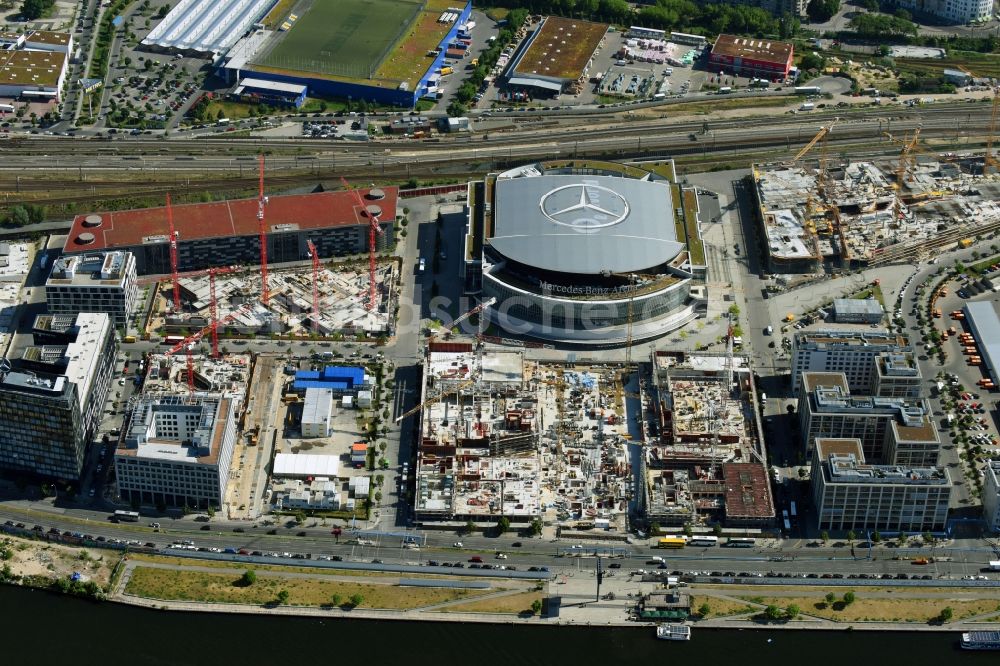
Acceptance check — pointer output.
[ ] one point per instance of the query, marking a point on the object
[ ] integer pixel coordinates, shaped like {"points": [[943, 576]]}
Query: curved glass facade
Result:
{"points": [[581, 314]]}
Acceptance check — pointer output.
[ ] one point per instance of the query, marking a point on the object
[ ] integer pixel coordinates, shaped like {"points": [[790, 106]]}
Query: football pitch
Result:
{"points": [[342, 37]]}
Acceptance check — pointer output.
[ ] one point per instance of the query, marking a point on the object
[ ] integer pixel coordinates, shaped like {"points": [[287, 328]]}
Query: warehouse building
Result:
{"points": [[226, 232], [857, 311], [556, 56], [984, 324], [97, 282], [198, 28], [747, 56], [850, 494], [273, 93], [177, 451], [991, 495], [52, 398], [891, 430]]}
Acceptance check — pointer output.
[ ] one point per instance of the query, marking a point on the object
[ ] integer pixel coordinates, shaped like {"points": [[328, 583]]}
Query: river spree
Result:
{"points": [[42, 628]]}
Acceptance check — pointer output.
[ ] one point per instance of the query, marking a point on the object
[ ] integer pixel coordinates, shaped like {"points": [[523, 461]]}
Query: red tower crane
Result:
{"points": [[188, 342], [314, 255], [373, 228], [213, 307], [265, 294], [173, 256]]}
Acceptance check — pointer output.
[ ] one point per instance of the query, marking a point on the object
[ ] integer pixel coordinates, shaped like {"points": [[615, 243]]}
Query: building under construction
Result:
{"points": [[857, 214], [502, 436], [704, 459], [341, 298]]}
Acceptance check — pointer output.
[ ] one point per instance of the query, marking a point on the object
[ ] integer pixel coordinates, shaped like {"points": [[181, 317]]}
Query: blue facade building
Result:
{"points": [[342, 380]]}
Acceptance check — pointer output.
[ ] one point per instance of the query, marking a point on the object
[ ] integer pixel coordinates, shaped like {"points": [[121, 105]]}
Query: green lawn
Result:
{"points": [[343, 38]]}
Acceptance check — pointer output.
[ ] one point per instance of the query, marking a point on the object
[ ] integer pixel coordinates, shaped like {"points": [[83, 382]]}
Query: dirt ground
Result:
{"points": [[39, 558]]}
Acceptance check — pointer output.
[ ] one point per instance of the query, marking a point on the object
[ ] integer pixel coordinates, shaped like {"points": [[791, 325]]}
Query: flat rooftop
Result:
{"points": [[560, 49], [748, 493], [224, 219], [843, 462], [498, 366], [749, 48], [31, 68], [90, 270], [813, 380]]}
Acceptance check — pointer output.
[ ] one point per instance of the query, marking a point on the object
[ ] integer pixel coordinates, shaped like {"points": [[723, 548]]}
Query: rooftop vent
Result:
{"points": [[93, 221], [375, 194], [86, 238]]}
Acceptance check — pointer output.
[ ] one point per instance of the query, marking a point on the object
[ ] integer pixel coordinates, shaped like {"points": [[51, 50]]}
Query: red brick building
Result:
{"points": [[749, 56]]}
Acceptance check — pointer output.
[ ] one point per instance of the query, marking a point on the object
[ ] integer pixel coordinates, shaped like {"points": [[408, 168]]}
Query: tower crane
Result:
{"points": [[314, 255], [265, 293], [820, 135], [372, 212], [188, 342], [173, 256], [436, 398]]}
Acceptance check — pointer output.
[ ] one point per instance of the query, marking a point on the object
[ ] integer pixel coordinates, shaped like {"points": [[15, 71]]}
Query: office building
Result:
{"points": [[955, 12], [95, 282], [891, 430], [852, 352], [897, 375], [52, 398], [317, 412], [850, 494], [991, 495], [177, 451]]}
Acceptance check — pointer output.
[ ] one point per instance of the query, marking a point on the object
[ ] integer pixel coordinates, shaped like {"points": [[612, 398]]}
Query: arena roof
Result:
{"points": [[584, 224], [225, 218]]}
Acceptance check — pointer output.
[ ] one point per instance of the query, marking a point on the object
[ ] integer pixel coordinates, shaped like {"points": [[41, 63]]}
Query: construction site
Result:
{"points": [[501, 436], [834, 214], [704, 460], [316, 300], [330, 300]]}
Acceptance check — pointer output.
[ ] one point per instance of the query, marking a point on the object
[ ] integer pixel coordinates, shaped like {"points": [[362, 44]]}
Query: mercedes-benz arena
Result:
{"points": [[573, 250]]}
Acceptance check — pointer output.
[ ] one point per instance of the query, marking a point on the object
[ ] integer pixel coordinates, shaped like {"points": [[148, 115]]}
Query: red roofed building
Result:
{"points": [[226, 232], [749, 56]]}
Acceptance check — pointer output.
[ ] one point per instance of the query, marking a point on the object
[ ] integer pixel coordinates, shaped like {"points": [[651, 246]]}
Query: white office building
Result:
{"points": [[177, 451], [953, 11], [99, 282]]}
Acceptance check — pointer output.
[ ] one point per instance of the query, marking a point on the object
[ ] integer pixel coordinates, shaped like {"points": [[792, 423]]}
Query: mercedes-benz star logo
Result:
{"points": [[584, 207]]}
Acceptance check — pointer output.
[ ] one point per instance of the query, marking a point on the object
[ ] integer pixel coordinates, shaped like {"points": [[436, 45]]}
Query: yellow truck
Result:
{"points": [[965, 242]]}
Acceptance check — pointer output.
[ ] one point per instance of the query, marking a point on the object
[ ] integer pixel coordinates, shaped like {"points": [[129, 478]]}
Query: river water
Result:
{"points": [[43, 628]]}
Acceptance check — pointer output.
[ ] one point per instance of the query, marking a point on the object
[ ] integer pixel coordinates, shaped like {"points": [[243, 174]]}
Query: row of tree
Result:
{"points": [[36, 9]]}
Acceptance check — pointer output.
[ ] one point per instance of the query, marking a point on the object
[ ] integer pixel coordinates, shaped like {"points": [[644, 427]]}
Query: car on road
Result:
{"points": [[458, 544], [615, 565], [377, 561], [476, 558], [516, 544]]}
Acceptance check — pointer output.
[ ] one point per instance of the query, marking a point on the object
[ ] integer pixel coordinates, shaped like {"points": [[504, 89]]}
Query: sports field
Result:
{"points": [[344, 38]]}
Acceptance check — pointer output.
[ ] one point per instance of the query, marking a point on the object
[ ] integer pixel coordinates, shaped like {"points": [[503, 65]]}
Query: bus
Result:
{"points": [[703, 541], [741, 542], [784, 517], [673, 542], [794, 512], [172, 339], [127, 516]]}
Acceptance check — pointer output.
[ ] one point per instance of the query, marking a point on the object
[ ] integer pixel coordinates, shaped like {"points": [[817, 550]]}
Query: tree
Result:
{"points": [[927, 537], [688, 530], [851, 536], [210, 511], [282, 597], [876, 536], [704, 610], [503, 524], [811, 61], [792, 611], [35, 9], [717, 529], [849, 598], [535, 527], [821, 11], [869, 5], [946, 614], [830, 598], [337, 600], [772, 613], [248, 578], [470, 527], [536, 606], [356, 600], [300, 516]]}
